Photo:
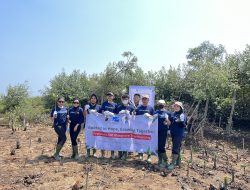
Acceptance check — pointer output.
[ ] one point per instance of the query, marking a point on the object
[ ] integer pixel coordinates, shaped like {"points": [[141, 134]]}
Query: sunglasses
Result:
{"points": [[75, 102], [61, 101]]}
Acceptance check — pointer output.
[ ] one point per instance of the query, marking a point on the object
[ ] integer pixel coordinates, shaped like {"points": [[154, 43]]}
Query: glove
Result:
{"points": [[127, 112], [108, 113], [182, 117], [55, 114], [166, 116], [147, 115], [86, 107], [122, 112], [169, 132], [92, 111], [75, 128]]}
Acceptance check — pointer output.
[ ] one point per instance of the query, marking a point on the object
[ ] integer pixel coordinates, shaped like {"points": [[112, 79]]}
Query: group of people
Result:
{"points": [[169, 123]]}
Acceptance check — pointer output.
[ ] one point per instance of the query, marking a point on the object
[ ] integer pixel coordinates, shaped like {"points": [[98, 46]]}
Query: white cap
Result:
{"points": [[161, 102], [179, 104], [145, 96]]}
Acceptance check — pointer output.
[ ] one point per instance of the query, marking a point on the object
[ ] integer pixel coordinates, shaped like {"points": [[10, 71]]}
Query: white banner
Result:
{"points": [[149, 90], [122, 133]]}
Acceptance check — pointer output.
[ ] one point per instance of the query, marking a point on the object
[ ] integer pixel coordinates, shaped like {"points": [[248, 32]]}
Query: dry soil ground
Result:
{"points": [[32, 167]]}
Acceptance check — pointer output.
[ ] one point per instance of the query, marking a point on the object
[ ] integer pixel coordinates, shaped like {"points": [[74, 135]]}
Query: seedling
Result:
{"points": [[237, 154], [233, 172], [18, 146], [191, 153], [188, 163], [225, 182], [204, 167], [39, 140], [13, 152], [215, 161], [244, 168], [243, 144]]}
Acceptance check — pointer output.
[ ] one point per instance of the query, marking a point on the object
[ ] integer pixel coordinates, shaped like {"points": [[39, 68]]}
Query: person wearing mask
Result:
{"points": [[109, 108], [142, 110], [163, 128], [76, 120], [59, 116], [124, 109], [177, 128], [92, 106]]}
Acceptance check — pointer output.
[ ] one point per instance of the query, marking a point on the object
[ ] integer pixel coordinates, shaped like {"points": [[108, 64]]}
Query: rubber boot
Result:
{"points": [[140, 156], [58, 149], [112, 155], [102, 154], [178, 161], [149, 158], [173, 163], [75, 149], [73, 153], [159, 159], [88, 153], [120, 154], [164, 162], [124, 155], [94, 153]]}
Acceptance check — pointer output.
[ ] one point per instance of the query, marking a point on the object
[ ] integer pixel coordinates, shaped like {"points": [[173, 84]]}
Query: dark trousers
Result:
{"points": [[162, 138], [74, 134], [176, 141], [61, 132]]}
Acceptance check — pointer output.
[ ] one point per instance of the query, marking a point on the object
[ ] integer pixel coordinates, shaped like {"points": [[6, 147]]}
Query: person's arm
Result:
{"points": [[85, 112], [152, 111], [182, 120], [81, 120], [52, 116]]}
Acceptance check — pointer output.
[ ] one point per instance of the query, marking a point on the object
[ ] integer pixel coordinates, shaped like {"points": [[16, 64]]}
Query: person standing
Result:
{"points": [[59, 116], [127, 109], [109, 107], [163, 128], [137, 98], [76, 120], [141, 110], [177, 128], [92, 106]]}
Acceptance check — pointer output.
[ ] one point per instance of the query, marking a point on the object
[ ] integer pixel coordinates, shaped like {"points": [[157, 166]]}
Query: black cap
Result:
{"points": [[110, 94], [125, 96], [137, 95]]}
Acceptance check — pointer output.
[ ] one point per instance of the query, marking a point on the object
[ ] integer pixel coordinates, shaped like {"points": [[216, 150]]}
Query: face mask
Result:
{"points": [[161, 106], [125, 102]]}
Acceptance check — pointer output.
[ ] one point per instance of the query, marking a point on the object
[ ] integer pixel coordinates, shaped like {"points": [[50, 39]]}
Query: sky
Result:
{"points": [[39, 38]]}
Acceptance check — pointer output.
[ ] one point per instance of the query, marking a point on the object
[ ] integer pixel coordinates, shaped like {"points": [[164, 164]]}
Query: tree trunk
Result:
{"points": [[204, 118], [230, 120]]}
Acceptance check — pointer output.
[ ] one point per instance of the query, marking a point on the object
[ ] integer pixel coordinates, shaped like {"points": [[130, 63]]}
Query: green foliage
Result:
{"points": [[15, 96], [210, 74]]}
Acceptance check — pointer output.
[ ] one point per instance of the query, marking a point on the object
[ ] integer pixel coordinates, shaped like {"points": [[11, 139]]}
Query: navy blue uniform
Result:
{"points": [[162, 129], [177, 129], [122, 107], [111, 107], [141, 109], [60, 124], [75, 117]]}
